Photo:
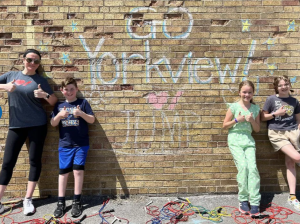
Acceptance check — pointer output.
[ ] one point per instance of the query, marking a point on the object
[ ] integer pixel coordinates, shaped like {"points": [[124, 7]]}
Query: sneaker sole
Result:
{"points": [[76, 215], [256, 214], [243, 212], [29, 213]]}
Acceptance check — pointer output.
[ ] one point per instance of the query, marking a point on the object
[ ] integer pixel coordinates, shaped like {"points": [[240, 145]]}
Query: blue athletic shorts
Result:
{"points": [[72, 159]]}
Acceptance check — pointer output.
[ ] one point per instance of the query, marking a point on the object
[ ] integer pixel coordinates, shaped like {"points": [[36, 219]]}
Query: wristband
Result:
{"points": [[48, 96], [236, 121], [273, 115]]}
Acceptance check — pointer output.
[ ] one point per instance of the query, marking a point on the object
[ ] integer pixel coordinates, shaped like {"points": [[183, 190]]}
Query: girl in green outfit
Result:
{"points": [[241, 118]]}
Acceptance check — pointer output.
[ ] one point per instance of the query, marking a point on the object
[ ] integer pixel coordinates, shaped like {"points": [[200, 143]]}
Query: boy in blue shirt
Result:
{"points": [[72, 116]]}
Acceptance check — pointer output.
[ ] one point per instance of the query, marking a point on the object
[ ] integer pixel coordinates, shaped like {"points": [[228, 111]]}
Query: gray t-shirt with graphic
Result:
{"points": [[286, 122], [24, 109]]}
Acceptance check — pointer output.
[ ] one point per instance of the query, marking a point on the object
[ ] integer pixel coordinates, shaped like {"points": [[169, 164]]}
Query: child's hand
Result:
{"points": [[77, 112], [63, 113], [240, 118], [249, 117], [281, 111]]}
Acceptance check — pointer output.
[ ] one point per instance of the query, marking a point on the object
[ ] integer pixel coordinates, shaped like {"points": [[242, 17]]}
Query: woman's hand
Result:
{"points": [[10, 87], [39, 93]]}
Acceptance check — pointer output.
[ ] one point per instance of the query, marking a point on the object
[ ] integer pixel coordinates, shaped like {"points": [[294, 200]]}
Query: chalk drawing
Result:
{"points": [[270, 42], [154, 23], [294, 79], [291, 26], [246, 25], [249, 56], [222, 74], [158, 100], [175, 100], [189, 28], [65, 58], [271, 68], [74, 26], [43, 46], [193, 65]]}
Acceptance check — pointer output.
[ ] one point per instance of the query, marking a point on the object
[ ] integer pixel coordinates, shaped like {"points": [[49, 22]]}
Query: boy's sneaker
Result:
{"points": [[76, 208], [28, 207], [60, 209], [254, 210], [244, 207], [294, 202], [1, 208]]}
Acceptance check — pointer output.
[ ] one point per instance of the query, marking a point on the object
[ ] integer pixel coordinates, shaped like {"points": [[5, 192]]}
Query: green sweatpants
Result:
{"points": [[242, 147]]}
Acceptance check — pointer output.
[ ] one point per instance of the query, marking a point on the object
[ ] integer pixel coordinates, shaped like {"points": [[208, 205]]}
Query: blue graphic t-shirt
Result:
{"points": [[73, 132]]}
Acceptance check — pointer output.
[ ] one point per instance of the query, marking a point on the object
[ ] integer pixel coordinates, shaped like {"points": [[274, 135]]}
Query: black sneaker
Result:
{"points": [[60, 210], [76, 208]]}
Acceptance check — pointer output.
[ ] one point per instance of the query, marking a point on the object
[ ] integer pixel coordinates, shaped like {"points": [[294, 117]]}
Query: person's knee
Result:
{"points": [[290, 163], [78, 172], [297, 159]]}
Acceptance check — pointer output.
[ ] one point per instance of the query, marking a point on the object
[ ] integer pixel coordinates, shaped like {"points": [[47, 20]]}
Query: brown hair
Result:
{"points": [[247, 83], [68, 81], [278, 79]]}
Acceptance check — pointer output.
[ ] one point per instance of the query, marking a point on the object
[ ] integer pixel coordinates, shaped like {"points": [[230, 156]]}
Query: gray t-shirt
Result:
{"points": [[24, 109], [286, 122]]}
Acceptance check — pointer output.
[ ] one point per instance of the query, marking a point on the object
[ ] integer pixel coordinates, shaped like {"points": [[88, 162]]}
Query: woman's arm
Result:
{"points": [[9, 87], [40, 93]]}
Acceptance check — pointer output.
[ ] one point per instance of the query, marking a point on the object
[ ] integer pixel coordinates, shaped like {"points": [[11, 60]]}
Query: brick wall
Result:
{"points": [[159, 76]]}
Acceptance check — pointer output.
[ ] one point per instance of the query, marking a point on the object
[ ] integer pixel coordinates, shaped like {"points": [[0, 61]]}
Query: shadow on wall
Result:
{"points": [[103, 174]]}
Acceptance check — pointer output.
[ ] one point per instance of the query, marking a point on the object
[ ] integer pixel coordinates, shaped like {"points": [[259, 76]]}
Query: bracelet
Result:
{"points": [[236, 121]]}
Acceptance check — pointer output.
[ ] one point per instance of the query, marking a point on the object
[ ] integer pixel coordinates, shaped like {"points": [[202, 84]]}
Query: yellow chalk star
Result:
{"points": [[246, 25]]}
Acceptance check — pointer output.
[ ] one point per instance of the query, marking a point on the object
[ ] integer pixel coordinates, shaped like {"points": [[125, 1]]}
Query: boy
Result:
{"points": [[72, 116]]}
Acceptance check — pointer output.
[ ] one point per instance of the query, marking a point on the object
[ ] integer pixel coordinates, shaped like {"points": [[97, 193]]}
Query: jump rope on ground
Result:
{"points": [[180, 210]]}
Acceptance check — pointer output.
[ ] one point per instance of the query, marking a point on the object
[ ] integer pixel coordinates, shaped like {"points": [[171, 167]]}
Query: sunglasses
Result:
{"points": [[35, 61]]}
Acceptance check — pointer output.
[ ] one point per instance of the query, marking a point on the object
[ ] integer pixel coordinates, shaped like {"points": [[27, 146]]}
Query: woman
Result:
{"points": [[27, 118]]}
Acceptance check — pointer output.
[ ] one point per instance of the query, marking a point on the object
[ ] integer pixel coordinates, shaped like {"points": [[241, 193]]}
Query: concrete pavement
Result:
{"points": [[132, 210]]}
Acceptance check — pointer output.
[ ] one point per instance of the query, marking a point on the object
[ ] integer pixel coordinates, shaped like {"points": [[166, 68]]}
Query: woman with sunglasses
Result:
{"points": [[27, 118]]}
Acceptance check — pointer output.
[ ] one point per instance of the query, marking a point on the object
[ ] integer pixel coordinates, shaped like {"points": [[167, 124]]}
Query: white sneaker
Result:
{"points": [[28, 207], [294, 203], [1, 208]]}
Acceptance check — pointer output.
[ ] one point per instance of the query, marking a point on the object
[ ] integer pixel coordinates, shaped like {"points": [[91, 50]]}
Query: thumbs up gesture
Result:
{"points": [[63, 113], [11, 86], [240, 117], [77, 112], [39, 93], [249, 117]]}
